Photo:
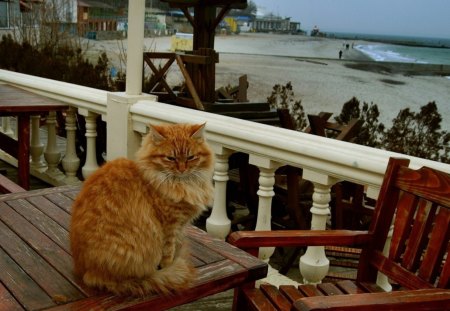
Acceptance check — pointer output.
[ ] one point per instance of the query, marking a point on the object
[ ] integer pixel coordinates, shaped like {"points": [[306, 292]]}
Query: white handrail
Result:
{"points": [[78, 96], [335, 158]]}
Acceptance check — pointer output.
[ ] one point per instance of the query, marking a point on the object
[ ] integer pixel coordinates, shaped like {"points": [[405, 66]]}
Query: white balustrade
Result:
{"points": [[218, 223], [71, 162]]}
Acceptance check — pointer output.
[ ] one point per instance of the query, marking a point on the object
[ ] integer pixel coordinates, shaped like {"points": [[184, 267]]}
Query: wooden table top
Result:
{"points": [[36, 265], [14, 101]]}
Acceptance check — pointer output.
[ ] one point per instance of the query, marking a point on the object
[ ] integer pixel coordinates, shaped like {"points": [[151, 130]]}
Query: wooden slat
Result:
{"points": [[41, 221], [418, 237], [31, 296], [444, 278], [61, 200], [221, 247], [36, 267], [350, 287], [371, 287], [7, 301], [275, 296], [291, 292], [403, 220], [51, 210], [397, 273], [7, 185], [438, 245], [41, 243], [202, 253], [400, 301], [258, 301], [309, 290], [72, 194], [329, 289]]}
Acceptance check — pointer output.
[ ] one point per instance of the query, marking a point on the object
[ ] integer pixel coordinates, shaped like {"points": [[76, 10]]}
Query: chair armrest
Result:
{"points": [[296, 238], [421, 299]]}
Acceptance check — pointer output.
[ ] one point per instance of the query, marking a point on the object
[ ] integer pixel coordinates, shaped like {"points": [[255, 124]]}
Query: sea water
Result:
{"points": [[386, 48]]}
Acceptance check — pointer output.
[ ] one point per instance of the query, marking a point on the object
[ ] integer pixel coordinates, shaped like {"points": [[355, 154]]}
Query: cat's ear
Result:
{"points": [[198, 131], [157, 137]]}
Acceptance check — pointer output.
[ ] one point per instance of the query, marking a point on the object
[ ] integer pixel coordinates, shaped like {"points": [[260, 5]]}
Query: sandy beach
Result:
{"points": [[319, 78]]}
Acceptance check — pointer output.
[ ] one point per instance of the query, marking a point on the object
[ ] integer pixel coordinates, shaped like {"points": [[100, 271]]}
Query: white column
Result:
{"points": [[51, 154], [122, 140], [218, 224], [36, 147], [314, 264], [71, 162], [265, 193], [135, 49], [90, 164]]}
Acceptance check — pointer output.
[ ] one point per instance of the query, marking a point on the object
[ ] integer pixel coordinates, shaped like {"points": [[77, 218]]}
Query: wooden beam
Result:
{"points": [[189, 84], [220, 16], [188, 16]]}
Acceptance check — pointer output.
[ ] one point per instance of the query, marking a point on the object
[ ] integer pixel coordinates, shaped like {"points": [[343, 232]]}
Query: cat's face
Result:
{"points": [[176, 151]]}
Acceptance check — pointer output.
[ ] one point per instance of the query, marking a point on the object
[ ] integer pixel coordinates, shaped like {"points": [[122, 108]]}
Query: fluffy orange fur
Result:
{"points": [[128, 220]]}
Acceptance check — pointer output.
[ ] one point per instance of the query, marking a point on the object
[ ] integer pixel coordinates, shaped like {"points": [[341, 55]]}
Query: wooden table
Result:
{"points": [[23, 104], [36, 265]]}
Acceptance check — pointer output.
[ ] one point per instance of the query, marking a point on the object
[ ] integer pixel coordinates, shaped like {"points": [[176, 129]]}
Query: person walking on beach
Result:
{"points": [[340, 54]]}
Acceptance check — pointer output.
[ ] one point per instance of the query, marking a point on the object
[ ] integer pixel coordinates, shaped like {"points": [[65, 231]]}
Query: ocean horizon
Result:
{"points": [[407, 49]]}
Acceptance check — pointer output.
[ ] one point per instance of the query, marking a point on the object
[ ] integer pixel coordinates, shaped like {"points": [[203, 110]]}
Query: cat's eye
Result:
{"points": [[191, 157], [172, 159]]}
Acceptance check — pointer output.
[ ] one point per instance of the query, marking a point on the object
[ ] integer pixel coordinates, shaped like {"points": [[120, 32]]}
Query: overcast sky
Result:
{"points": [[426, 18]]}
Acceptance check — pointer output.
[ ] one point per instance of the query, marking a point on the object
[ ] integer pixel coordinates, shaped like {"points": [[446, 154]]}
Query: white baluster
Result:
{"points": [[382, 279], [71, 162], [218, 224], [52, 154], [90, 165], [265, 193], [314, 264], [36, 147], [6, 126]]}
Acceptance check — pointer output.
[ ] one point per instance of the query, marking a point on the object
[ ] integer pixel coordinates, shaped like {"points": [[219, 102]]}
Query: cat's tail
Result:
{"points": [[170, 279]]}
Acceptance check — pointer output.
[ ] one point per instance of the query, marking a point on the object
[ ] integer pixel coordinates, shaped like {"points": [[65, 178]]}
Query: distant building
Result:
{"points": [[96, 16], [273, 23], [57, 14]]}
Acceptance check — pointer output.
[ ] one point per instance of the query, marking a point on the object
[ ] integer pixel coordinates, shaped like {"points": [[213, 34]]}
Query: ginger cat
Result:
{"points": [[128, 220]]}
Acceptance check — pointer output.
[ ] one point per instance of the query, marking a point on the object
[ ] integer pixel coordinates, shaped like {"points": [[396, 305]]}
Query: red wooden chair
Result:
{"points": [[417, 202]]}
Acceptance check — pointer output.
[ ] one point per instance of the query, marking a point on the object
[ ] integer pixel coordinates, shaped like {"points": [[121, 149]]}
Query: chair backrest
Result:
{"points": [[417, 203]]}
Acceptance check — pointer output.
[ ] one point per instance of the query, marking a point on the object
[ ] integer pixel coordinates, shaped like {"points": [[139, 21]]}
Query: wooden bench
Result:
{"points": [[36, 264], [417, 202]]}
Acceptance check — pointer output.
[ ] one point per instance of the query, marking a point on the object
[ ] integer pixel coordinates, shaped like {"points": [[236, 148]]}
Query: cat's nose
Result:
{"points": [[182, 167]]}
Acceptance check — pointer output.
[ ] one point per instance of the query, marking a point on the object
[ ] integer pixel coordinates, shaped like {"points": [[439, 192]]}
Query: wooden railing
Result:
{"points": [[324, 161]]}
